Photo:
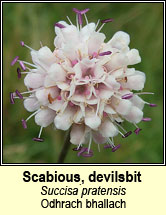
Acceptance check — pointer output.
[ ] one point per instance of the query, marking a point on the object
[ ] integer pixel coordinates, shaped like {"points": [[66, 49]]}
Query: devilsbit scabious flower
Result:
{"points": [[84, 84]]}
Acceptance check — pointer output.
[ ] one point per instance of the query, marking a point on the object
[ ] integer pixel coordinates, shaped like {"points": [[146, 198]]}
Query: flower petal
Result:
{"points": [[135, 115], [123, 107], [92, 120], [138, 102], [117, 61], [55, 74], [77, 134], [45, 117], [108, 129], [34, 80], [31, 104], [64, 120], [95, 41], [133, 56], [136, 81], [98, 138], [120, 40]]}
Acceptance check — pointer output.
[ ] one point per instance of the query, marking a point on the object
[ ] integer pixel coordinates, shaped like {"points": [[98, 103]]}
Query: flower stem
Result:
{"points": [[65, 149]]}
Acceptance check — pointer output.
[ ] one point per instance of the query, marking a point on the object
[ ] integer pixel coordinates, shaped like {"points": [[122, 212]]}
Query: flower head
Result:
{"points": [[85, 84]]}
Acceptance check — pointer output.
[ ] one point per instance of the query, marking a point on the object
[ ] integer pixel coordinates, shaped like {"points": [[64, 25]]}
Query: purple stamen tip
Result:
{"points": [[24, 124], [137, 130], [38, 139], [14, 60], [22, 65], [19, 94], [116, 148], [107, 146], [22, 43], [152, 105], [18, 73], [105, 53], [84, 11], [127, 134], [81, 151], [77, 149], [59, 25], [106, 20], [146, 119], [127, 96], [12, 98], [86, 153], [81, 11], [80, 18]]}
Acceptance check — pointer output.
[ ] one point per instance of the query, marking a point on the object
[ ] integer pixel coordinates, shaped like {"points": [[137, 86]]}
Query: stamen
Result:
{"points": [[84, 11], [37, 139], [105, 53], [89, 154], [86, 19], [90, 141], [40, 132], [137, 130], [77, 149], [41, 44], [84, 154], [77, 22], [12, 98], [59, 25], [22, 65], [123, 135], [120, 127], [146, 119], [19, 94], [116, 148], [33, 115], [110, 143], [81, 11], [79, 14], [76, 10], [24, 124], [106, 20], [97, 24], [69, 20], [28, 63], [23, 44], [144, 93], [127, 134], [101, 27], [98, 145], [107, 146], [127, 96], [32, 91], [18, 73], [81, 151], [80, 19], [152, 105], [14, 60]]}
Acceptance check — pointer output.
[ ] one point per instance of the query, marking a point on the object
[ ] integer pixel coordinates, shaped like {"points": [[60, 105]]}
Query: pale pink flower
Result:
{"points": [[84, 84]]}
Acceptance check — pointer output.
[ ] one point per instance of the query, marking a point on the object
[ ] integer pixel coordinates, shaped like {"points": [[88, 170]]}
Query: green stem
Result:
{"points": [[65, 149]]}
